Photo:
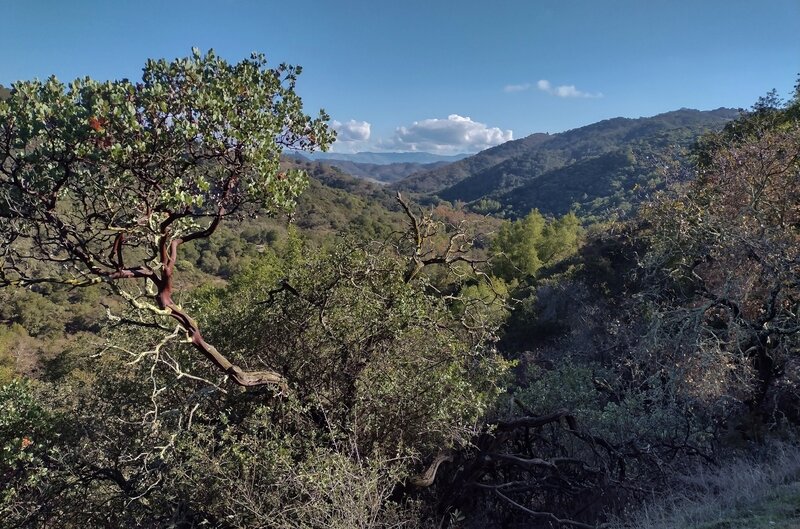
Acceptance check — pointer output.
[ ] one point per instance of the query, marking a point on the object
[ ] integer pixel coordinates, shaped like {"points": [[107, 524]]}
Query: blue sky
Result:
{"points": [[441, 76]]}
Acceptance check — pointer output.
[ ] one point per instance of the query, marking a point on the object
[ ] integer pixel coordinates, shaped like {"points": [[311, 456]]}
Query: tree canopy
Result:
{"points": [[525, 245], [102, 182]]}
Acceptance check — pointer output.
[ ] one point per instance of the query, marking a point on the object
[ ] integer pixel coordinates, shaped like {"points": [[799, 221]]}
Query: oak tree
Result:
{"points": [[725, 255]]}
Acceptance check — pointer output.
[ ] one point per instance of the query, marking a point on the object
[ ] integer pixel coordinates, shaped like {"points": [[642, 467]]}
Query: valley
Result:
{"points": [[220, 311]]}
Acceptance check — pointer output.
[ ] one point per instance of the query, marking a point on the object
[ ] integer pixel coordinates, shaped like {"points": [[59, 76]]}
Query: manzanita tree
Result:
{"points": [[102, 182]]}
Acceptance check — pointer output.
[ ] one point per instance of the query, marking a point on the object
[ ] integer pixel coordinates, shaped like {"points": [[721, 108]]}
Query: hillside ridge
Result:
{"points": [[592, 169]]}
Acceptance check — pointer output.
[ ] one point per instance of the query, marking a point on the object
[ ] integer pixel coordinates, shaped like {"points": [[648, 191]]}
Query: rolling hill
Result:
{"points": [[378, 172], [381, 158], [598, 169]]}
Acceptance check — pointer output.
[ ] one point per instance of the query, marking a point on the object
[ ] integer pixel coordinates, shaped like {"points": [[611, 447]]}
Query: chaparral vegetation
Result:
{"points": [[201, 328]]}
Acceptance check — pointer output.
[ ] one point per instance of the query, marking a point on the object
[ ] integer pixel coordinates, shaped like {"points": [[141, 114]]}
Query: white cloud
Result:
{"points": [[352, 130], [456, 134], [516, 87], [565, 90]]}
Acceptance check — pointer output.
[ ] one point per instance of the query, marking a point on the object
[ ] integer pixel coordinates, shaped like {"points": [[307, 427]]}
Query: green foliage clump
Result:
{"points": [[651, 413], [40, 315], [350, 331], [198, 102], [484, 304], [27, 429], [103, 182], [381, 376], [524, 246]]}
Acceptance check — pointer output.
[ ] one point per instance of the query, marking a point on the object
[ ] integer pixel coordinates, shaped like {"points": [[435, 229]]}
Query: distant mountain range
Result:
{"points": [[595, 170], [381, 167], [383, 158], [383, 173]]}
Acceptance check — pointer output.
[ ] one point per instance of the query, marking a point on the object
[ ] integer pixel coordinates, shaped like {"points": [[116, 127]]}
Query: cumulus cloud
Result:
{"points": [[565, 90], [516, 87], [352, 130], [456, 134]]}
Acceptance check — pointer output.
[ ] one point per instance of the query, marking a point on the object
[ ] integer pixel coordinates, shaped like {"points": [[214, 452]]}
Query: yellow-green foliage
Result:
{"points": [[7, 360], [524, 246], [484, 303], [358, 341]]}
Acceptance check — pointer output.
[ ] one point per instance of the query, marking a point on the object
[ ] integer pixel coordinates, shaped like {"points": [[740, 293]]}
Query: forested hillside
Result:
{"points": [[384, 172], [596, 170], [386, 158], [434, 181], [198, 331], [337, 202]]}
